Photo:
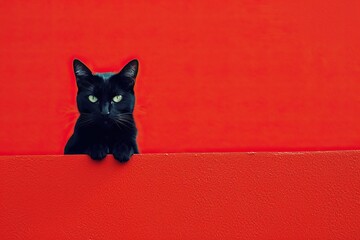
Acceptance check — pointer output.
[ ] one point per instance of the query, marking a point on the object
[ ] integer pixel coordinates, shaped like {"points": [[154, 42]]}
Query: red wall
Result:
{"points": [[311, 195], [230, 76]]}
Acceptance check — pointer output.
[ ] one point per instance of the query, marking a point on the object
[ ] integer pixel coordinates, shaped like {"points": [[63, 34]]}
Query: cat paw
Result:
{"points": [[122, 152], [98, 151]]}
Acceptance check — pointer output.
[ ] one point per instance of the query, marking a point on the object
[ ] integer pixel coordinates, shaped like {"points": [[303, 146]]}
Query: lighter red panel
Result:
{"points": [[310, 195]]}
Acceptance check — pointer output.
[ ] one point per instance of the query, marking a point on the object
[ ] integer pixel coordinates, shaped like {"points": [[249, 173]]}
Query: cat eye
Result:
{"points": [[117, 98], [92, 98]]}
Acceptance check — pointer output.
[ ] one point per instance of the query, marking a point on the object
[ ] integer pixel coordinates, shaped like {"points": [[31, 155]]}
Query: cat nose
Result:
{"points": [[105, 110]]}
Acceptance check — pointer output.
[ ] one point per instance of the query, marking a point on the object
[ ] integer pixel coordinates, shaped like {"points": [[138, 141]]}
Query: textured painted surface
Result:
{"points": [[310, 195], [235, 75]]}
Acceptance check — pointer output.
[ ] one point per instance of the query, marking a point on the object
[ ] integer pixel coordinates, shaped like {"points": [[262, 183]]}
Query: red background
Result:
{"points": [[214, 76]]}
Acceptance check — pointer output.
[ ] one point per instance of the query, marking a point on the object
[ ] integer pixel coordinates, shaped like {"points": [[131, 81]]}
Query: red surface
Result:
{"points": [[311, 195], [232, 76]]}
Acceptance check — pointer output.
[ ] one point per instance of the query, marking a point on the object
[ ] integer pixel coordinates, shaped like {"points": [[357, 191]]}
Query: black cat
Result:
{"points": [[106, 124]]}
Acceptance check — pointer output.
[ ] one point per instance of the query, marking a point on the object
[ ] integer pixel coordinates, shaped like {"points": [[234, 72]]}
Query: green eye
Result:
{"points": [[117, 98], [92, 98]]}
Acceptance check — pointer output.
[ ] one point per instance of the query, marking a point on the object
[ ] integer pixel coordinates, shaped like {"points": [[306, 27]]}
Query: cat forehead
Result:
{"points": [[105, 76], [107, 79], [103, 83]]}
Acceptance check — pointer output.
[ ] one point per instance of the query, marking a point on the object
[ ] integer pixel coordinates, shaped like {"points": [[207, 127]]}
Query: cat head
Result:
{"points": [[105, 95]]}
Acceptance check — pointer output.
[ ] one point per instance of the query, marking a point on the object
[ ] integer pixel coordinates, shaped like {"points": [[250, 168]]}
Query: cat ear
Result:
{"points": [[80, 70], [131, 69]]}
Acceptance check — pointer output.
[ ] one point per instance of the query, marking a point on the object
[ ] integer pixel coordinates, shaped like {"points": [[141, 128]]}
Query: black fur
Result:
{"points": [[105, 126]]}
